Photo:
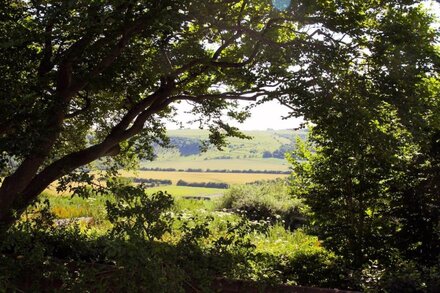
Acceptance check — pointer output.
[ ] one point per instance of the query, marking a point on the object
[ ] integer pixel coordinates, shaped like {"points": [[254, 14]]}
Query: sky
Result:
{"points": [[268, 115]]}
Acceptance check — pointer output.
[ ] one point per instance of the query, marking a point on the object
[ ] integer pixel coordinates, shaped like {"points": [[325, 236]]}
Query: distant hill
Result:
{"points": [[265, 151]]}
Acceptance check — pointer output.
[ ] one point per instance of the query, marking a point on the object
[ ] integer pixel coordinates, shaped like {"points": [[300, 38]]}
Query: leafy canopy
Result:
{"points": [[371, 168], [84, 80]]}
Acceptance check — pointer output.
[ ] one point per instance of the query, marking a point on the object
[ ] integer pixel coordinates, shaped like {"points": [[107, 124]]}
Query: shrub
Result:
{"points": [[140, 215], [315, 269], [266, 201], [400, 276]]}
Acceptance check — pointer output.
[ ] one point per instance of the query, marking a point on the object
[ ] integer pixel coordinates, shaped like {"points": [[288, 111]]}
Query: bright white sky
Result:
{"points": [[268, 115]]}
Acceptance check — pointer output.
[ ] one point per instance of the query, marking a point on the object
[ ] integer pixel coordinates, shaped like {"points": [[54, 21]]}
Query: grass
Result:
{"points": [[229, 178], [280, 241], [243, 154], [64, 206], [179, 191], [193, 162]]}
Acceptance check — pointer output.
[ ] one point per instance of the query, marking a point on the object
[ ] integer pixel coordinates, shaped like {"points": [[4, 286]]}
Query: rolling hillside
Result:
{"points": [[265, 151]]}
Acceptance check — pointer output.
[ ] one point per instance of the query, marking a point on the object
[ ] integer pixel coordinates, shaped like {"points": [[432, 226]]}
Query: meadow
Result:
{"points": [[193, 162], [239, 154], [65, 206]]}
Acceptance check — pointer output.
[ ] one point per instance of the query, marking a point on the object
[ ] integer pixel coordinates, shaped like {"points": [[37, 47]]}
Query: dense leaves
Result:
{"points": [[166, 250], [371, 179], [85, 80]]}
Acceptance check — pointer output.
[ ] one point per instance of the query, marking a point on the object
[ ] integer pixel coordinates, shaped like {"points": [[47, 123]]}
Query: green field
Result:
{"points": [[240, 154], [193, 162]]}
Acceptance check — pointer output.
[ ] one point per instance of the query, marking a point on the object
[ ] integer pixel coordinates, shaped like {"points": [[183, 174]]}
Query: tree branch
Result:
{"points": [[88, 101], [225, 96], [226, 44], [46, 62], [108, 147]]}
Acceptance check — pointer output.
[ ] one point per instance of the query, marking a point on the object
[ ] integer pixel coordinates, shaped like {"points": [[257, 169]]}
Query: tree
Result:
{"points": [[372, 181], [86, 80]]}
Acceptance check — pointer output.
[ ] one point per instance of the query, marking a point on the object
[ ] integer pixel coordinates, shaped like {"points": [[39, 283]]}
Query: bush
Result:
{"points": [[401, 276], [153, 247], [315, 269], [266, 201]]}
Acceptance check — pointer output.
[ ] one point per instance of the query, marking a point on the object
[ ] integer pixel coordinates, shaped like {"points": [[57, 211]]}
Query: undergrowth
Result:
{"points": [[153, 244]]}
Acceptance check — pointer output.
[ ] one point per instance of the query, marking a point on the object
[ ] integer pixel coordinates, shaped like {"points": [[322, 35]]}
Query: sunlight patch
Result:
{"points": [[281, 4]]}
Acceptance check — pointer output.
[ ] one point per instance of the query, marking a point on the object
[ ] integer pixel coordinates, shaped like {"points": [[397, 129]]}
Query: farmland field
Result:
{"points": [[264, 150], [229, 178], [184, 163]]}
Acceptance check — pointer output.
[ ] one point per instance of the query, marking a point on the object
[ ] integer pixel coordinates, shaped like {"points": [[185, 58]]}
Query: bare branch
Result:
{"points": [[285, 104], [249, 60]]}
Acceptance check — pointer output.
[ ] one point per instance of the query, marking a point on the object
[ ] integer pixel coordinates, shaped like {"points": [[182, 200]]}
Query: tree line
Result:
{"points": [[203, 184], [250, 171]]}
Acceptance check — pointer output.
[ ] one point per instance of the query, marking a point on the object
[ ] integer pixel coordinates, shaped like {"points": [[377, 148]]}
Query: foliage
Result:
{"points": [[134, 214], [370, 175], [150, 182], [163, 254], [280, 152], [94, 80], [401, 276], [46, 258], [186, 146], [203, 184], [367, 219], [86, 81], [268, 200]]}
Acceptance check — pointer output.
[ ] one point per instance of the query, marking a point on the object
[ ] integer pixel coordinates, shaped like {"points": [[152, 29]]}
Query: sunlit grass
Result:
{"points": [[180, 191]]}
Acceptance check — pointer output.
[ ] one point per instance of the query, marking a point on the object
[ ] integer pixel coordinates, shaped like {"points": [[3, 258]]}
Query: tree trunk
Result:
{"points": [[20, 189]]}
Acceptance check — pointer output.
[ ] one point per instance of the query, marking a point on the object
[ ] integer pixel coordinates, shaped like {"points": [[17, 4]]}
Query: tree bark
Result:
{"points": [[18, 190], [21, 188]]}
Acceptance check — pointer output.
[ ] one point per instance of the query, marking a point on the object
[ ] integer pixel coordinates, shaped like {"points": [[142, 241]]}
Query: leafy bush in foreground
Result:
{"points": [[151, 247], [266, 201]]}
